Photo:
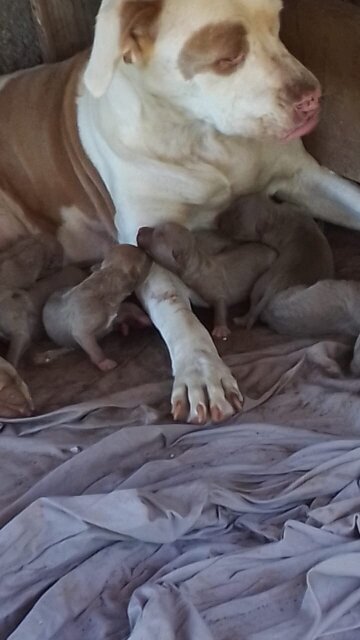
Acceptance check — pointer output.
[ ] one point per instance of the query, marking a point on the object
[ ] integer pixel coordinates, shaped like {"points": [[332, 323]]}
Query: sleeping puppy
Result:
{"points": [[222, 279], [304, 254], [327, 307], [87, 312], [29, 259], [20, 318]]}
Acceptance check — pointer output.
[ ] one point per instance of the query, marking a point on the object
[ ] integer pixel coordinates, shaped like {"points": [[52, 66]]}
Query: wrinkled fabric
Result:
{"points": [[116, 523]]}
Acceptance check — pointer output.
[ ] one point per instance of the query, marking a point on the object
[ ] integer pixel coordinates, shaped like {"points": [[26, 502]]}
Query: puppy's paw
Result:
{"points": [[221, 332], [107, 365]]}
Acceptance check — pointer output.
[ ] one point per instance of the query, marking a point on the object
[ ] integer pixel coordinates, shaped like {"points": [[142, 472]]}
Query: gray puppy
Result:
{"points": [[20, 318], [222, 279], [304, 256], [29, 259], [327, 307], [83, 314]]}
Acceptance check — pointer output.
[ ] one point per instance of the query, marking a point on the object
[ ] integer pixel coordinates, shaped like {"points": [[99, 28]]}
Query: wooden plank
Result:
{"points": [[64, 26]]}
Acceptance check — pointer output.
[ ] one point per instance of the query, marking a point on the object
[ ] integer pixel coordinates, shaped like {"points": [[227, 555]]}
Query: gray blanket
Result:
{"points": [[117, 524]]}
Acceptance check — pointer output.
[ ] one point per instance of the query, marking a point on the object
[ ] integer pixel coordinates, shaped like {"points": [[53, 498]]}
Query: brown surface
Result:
{"points": [[325, 36]]}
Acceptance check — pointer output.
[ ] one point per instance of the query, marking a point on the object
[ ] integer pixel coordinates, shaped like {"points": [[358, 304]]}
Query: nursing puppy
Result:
{"points": [[29, 259], [20, 318], [222, 279], [83, 314], [304, 254]]}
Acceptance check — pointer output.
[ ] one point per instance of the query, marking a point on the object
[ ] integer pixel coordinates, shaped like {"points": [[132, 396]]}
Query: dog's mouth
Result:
{"points": [[302, 129]]}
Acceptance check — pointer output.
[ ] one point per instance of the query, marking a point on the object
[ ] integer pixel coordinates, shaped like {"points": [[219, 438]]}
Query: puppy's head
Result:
{"points": [[168, 244], [220, 62], [132, 263]]}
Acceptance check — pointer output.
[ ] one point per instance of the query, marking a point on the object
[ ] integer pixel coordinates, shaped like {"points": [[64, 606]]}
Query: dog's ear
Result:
{"points": [[139, 21], [106, 48], [125, 29]]}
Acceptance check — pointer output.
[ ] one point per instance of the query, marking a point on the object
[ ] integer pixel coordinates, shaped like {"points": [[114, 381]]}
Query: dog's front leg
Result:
{"points": [[204, 388], [326, 195]]}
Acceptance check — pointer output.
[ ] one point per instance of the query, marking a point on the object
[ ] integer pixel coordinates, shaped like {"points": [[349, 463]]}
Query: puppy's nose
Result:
{"points": [[144, 237], [309, 102]]}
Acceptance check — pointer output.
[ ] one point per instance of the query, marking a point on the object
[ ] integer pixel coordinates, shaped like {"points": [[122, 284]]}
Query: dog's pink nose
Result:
{"points": [[309, 102]]}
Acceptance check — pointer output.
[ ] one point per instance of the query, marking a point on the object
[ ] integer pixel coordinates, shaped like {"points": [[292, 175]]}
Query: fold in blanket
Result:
{"points": [[117, 524]]}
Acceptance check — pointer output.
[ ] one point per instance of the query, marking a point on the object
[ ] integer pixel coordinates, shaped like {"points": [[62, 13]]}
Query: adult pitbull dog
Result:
{"points": [[180, 108]]}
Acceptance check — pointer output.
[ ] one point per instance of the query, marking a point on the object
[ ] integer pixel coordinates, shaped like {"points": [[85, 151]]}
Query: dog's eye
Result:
{"points": [[229, 64]]}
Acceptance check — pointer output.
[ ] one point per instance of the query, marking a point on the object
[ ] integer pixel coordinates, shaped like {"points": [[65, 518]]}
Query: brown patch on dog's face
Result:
{"points": [[139, 20], [217, 48]]}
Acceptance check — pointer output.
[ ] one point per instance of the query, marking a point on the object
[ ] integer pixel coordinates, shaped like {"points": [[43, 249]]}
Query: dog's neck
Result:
{"points": [[152, 124]]}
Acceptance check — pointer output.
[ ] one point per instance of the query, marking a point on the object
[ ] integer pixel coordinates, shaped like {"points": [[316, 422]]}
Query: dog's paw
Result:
{"points": [[205, 390]]}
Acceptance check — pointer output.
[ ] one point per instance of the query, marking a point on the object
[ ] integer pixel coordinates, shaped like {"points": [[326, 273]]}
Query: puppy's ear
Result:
{"points": [[139, 22], [124, 29]]}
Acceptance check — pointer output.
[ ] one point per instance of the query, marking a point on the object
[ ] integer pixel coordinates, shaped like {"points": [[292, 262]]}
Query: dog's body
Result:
{"points": [[221, 280], [182, 108], [20, 318], [83, 314], [304, 254]]}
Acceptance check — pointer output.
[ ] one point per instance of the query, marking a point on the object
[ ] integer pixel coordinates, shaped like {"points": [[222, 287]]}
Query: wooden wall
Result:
{"points": [[325, 36]]}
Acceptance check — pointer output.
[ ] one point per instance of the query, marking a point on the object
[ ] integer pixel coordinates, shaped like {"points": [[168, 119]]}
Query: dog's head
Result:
{"points": [[221, 62]]}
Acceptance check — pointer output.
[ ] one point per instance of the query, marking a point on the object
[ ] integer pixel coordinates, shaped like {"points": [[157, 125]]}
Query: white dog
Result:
{"points": [[182, 107]]}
